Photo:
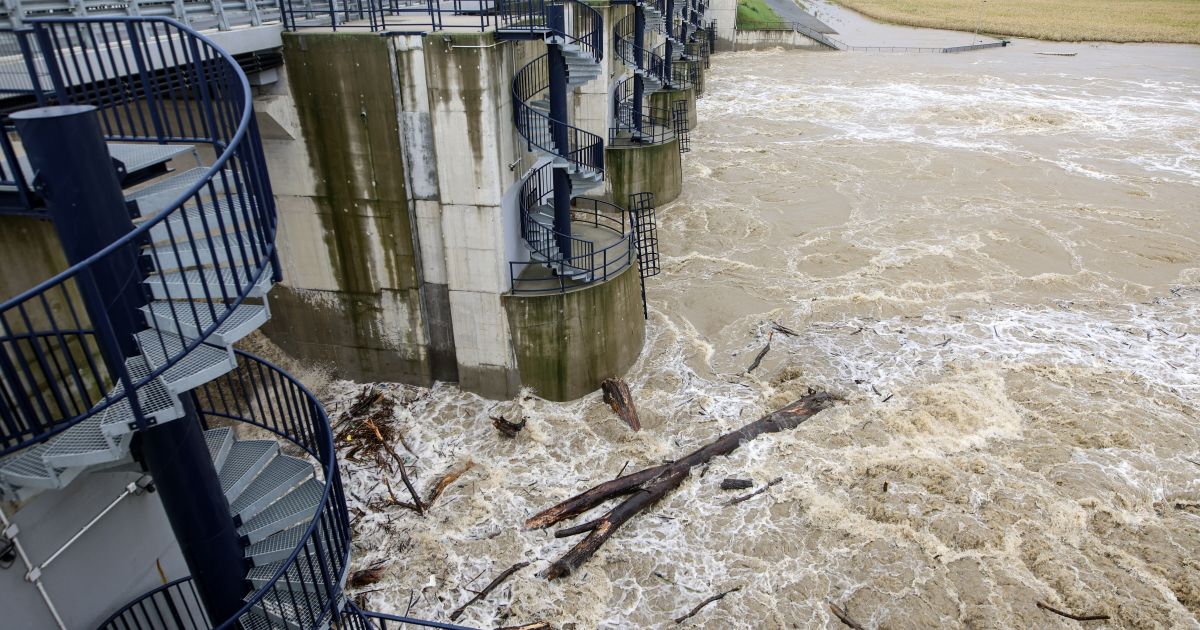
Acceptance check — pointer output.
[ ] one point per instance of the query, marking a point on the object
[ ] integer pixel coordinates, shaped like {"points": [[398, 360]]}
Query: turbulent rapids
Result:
{"points": [[992, 257]]}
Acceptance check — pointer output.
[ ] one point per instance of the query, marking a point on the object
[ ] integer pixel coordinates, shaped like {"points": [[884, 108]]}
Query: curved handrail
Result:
{"points": [[583, 24], [131, 69], [584, 149], [261, 394], [652, 126], [597, 265], [637, 58]]}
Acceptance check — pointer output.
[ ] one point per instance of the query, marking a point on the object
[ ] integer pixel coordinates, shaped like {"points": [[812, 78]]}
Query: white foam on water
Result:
{"points": [[996, 270]]}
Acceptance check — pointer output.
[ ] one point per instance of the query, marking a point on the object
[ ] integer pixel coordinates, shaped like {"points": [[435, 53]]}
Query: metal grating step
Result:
{"points": [[200, 365], [297, 506], [295, 609], [254, 620], [153, 197], [220, 442], [246, 459], [155, 400], [280, 476], [193, 284], [239, 249], [27, 473], [301, 576], [85, 444], [196, 218], [277, 546], [181, 318], [136, 157]]}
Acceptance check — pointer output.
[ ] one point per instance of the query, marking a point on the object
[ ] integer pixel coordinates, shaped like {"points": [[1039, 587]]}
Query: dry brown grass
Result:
{"points": [[1176, 21]]}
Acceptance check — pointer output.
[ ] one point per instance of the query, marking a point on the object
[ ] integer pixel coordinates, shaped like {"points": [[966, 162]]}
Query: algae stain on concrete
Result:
{"points": [[342, 86], [567, 343]]}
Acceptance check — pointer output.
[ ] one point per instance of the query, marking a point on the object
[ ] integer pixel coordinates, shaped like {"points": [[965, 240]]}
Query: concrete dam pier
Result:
{"points": [[419, 221]]}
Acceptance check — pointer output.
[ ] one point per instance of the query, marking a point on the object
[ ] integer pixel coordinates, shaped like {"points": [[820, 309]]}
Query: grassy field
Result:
{"points": [[752, 13], [1063, 20]]}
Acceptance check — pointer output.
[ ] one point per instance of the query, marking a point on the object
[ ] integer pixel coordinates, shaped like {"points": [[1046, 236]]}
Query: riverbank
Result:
{"points": [[1166, 21]]}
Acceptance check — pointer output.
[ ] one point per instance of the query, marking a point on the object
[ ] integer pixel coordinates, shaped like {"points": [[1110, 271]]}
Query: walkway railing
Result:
{"points": [[811, 33], [634, 56], [629, 128], [198, 14], [260, 394], [586, 264], [154, 80], [584, 149]]}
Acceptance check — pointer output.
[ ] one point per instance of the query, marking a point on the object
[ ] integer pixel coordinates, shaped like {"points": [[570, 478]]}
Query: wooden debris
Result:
{"points": [[537, 625], [729, 483], [701, 605], [1070, 616], [506, 428], [784, 330], [761, 353], [616, 394], [746, 497], [844, 617], [488, 589], [400, 463], [649, 485], [366, 577], [445, 480]]}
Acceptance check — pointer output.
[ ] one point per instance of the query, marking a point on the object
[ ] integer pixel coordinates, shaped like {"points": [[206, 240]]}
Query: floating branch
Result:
{"points": [[844, 617], [489, 588], [701, 605], [1070, 616]]}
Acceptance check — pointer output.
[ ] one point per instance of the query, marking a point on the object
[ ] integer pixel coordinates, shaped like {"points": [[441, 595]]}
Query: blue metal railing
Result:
{"points": [[587, 263], [584, 149], [629, 128], [153, 80], [260, 394], [634, 56]]}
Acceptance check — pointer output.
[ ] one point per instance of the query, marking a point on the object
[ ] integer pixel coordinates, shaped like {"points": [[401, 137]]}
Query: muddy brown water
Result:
{"points": [[992, 256]]}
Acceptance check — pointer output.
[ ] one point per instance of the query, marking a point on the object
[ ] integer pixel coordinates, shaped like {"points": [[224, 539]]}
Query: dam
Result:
{"points": [[313, 316]]}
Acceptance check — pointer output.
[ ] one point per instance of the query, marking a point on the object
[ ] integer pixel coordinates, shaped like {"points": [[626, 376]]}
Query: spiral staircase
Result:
{"points": [[575, 29], [78, 395]]}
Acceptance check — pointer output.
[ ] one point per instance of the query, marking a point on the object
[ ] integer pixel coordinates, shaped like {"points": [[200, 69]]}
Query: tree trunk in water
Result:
{"points": [[652, 484]]}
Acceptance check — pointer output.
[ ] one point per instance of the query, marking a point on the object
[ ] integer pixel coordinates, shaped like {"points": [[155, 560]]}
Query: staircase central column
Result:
{"points": [[77, 178], [667, 56], [557, 68], [639, 45]]}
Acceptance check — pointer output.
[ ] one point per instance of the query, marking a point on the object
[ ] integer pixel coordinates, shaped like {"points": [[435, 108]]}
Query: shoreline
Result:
{"points": [[949, 24]]}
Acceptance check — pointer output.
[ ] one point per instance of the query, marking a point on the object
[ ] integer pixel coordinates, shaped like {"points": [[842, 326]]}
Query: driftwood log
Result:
{"points": [[616, 394], [506, 427], [504, 575], [732, 483], [649, 485]]}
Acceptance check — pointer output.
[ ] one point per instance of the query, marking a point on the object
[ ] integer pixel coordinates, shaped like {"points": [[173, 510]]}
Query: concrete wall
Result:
{"points": [[115, 561], [396, 161], [765, 40], [352, 293], [667, 98], [724, 12], [654, 169], [567, 343]]}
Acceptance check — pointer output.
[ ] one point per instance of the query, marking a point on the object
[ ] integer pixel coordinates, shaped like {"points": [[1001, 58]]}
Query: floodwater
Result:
{"points": [[993, 257]]}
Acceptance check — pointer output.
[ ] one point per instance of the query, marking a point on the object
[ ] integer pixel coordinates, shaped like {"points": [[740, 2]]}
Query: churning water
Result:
{"points": [[992, 256]]}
